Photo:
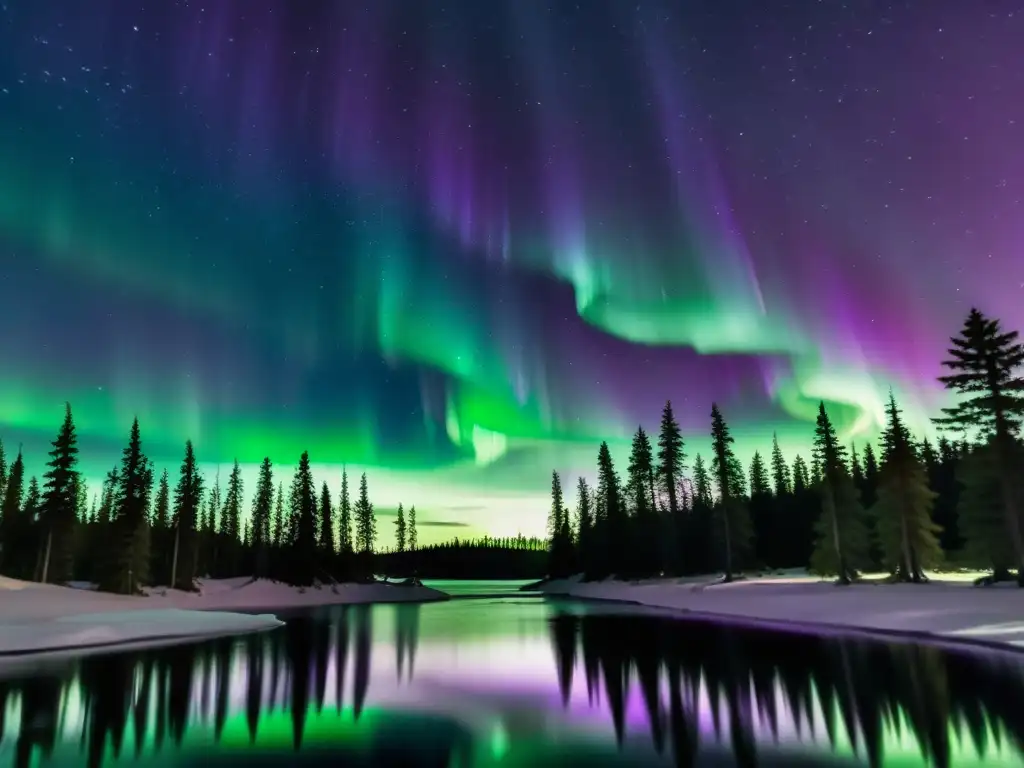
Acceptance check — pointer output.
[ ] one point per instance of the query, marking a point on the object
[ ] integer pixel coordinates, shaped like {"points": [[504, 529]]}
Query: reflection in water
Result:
{"points": [[701, 680], [526, 685]]}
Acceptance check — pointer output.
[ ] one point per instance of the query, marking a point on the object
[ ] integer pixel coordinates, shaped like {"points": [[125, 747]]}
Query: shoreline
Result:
{"points": [[46, 620], [941, 613]]}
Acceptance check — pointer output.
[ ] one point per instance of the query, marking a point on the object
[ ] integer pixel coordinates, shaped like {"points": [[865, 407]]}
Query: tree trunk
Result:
{"points": [[174, 560], [46, 556]]}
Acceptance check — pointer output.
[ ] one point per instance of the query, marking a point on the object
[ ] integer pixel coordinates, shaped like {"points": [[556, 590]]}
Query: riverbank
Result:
{"points": [[944, 609], [44, 618]]}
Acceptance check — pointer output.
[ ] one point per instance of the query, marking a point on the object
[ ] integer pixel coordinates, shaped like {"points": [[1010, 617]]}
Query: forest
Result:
{"points": [[904, 506]]}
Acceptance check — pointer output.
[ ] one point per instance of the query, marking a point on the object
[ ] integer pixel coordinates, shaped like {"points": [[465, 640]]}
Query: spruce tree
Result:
{"points": [[702, 483], [188, 495], [262, 509], [671, 459], [782, 484], [400, 530], [231, 523], [841, 539], [304, 543], [611, 515], [60, 503], [279, 531], [759, 485], [870, 490], [763, 513], [127, 565], [907, 535], [413, 538], [645, 540], [345, 544], [731, 510], [3, 469], [801, 477], [160, 536], [559, 539], [31, 511], [13, 529], [985, 360], [366, 524], [326, 522], [584, 525]]}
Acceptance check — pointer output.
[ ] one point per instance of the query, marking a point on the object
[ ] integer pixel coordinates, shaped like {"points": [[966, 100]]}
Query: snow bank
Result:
{"points": [[44, 618], [949, 610], [244, 594]]}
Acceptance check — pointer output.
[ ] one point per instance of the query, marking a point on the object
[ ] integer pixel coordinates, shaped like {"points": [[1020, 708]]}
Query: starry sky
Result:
{"points": [[456, 244]]}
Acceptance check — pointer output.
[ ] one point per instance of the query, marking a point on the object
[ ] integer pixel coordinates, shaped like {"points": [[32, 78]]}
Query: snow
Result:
{"points": [[44, 618], [948, 608]]}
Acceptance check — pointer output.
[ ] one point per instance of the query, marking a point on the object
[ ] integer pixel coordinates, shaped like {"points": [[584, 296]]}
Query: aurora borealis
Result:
{"points": [[458, 244]]}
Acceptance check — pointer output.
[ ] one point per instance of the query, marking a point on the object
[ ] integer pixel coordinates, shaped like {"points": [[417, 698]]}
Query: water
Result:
{"points": [[514, 681]]}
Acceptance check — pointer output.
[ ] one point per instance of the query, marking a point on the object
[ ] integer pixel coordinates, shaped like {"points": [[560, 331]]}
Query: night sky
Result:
{"points": [[459, 243]]}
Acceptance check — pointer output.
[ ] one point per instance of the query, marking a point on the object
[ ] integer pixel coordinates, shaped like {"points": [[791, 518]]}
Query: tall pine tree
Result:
{"points": [[400, 529], [413, 537], [611, 516], [907, 535], [731, 511], [669, 471], [60, 504], [303, 569], [14, 529], [126, 566], [188, 496], [366, 523], [841, 543], [326, 522], [345, 543], [985, 362], [262, 510]]}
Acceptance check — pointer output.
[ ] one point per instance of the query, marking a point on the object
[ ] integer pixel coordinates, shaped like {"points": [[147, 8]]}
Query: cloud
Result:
{"points": [[440, 524]]}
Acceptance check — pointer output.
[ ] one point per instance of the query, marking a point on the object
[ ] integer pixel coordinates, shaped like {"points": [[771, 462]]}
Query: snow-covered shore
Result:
{"points": [[947, 609], [44, 618]]}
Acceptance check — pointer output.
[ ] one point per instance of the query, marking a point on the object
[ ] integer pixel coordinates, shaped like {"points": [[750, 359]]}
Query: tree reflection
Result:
{"points": [[146, 699], [760, 687]]}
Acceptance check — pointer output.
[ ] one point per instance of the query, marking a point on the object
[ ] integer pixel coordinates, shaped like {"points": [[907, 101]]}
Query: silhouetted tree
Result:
{"points": [[345, 544], [611, 515], [304, 561], [413, 538], [326, 522], [731, 511], [907, 535], [59, 516], [230, 522], [262, 509], [14, 529], [560, 538], [188, 495], [841, 544], [984, 360], [644, 546], [366, 523], [126, 567], [400, 529]]}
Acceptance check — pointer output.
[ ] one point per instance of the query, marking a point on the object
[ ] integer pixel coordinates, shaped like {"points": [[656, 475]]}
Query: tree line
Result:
{"points": [[141, 531], [903, 505], [487, 557]]}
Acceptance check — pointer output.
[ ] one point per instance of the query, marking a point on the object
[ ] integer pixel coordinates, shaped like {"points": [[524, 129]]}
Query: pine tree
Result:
{"points": [[60, 502], [13, 528], [279, 539], [611, 514], [162, 503], [644, 552], [984, 361], [841, 541], [262, 509], [782, 484], [907, 535], [188, 495], [731, 509], [161, 537], [3, 469], [584, 524], [559, 540], [326, 522], [231, 523], [304, 543], [671, 459], [759, 485], [413, 541], [702, 483], [345, 544], [400, 529], [870, 490], [127, 565], [366, 524], [801, 477]]}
